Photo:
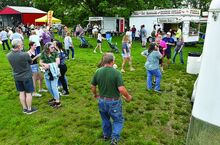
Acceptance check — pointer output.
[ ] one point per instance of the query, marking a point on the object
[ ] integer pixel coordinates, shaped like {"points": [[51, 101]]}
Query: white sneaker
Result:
{"points": [[122, 70], [94, 51], [132, 69], [42, 90], [59, 87], [42, 70], [101, 52], [36, 95]]}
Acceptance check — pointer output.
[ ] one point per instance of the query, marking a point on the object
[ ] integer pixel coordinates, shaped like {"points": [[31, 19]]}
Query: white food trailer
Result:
{"points": [[109, 24], [168, 19]]}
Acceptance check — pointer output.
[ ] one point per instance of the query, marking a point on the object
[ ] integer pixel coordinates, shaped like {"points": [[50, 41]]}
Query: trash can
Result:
{"points": [[108, 35], [193, 63]]}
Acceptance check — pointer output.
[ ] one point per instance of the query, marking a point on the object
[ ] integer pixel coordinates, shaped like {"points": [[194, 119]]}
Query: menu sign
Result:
{"points": [[191, 12]]}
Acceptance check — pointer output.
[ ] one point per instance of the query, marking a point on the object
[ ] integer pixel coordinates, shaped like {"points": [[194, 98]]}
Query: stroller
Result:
{"points": [[84, 43], [113, 46]]}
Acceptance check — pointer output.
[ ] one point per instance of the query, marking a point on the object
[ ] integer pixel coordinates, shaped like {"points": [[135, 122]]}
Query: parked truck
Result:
{"points": [[166, 19]]}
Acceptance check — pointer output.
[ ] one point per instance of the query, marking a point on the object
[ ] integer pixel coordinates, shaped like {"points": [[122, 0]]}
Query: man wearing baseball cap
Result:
{"points": [[170, 42]]}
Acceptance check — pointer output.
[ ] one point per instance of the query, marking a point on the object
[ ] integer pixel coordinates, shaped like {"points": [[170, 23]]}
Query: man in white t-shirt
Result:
{"points": [[36, 39], [4, 38], [16, 35]]}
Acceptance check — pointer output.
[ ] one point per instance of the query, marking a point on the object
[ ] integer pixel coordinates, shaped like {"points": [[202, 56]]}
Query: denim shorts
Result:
{"points": [[126, 55], [34, 68], [25, 86]]}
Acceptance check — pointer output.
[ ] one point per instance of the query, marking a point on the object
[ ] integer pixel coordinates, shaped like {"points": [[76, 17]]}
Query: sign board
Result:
{"points": [[169, 20], [166, 12], [95, 18]]}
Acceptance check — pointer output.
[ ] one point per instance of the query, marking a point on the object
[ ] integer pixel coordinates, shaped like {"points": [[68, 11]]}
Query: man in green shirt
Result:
{"points": [[110, 84]]}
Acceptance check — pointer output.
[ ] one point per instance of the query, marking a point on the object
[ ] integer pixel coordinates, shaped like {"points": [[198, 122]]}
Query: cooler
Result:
{"points": [[193, 63]]}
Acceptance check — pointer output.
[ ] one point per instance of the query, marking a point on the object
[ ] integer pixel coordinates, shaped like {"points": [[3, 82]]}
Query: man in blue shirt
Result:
{"points": [[170, 42]]}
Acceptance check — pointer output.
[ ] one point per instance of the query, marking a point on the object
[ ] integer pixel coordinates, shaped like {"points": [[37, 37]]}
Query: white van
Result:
{"points": [[166, 19]]}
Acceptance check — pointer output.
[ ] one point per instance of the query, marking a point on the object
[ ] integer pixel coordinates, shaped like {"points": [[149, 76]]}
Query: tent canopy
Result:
{"points": [[44, 19]]}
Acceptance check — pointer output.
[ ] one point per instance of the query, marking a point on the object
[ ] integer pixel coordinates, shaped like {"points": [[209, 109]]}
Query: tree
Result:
{"points": [[200, 4], [4, 3], [78, 11]]}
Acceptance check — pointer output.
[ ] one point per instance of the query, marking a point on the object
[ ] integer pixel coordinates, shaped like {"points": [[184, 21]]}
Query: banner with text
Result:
{"points": [[49, 18]]}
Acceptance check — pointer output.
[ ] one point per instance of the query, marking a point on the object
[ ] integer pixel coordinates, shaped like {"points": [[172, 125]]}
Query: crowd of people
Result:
{"points": [[49, 55], [52, 55]]}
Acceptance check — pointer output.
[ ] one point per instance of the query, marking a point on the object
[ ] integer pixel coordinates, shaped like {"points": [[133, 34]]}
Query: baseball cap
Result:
{"points": [[168, 33]]}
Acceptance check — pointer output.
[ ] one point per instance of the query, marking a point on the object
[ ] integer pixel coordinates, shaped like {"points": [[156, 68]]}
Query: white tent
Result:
{"points": [[205, 122]]}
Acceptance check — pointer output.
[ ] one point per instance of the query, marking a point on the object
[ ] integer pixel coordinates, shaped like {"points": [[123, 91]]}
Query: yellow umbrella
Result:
{"points": [[44, 19]]}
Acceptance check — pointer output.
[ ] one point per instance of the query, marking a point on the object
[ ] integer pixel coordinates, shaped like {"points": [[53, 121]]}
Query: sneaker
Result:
{"points": [[36, 95], [64, 93], [59, 87], [114, 142], [106, 138], [56, 104], [41, 69], [42, 91], [132, 69], [94, 51], [33, 110], [51, 101], [101, 52], [73, 58], [158, 91], [122, 70], [24, 111]]}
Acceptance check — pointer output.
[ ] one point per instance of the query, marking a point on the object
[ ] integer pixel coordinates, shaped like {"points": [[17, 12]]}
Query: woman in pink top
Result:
{"points": [[162, 48]]}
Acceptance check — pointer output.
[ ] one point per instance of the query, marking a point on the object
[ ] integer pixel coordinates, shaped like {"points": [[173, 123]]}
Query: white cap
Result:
{"points": [[168, 33]]}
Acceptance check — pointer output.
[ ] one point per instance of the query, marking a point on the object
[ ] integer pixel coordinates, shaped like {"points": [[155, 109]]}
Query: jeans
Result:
{"points": [[52, 87], [68, 52], [158, 76], [5, 42], [181, 56], [111, 109], [133, 35]]}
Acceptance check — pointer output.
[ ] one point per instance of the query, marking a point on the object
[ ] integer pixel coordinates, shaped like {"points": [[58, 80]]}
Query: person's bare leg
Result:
{"points": [[23, 100], [95, 48], [34, 77], [40, 79], [130, 64], [28, 100], [123, 64], [168, 63], [100, 48]]}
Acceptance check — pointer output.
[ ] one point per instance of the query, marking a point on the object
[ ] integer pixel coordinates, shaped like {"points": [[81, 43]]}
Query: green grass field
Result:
{"points": [[150, 118]]}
